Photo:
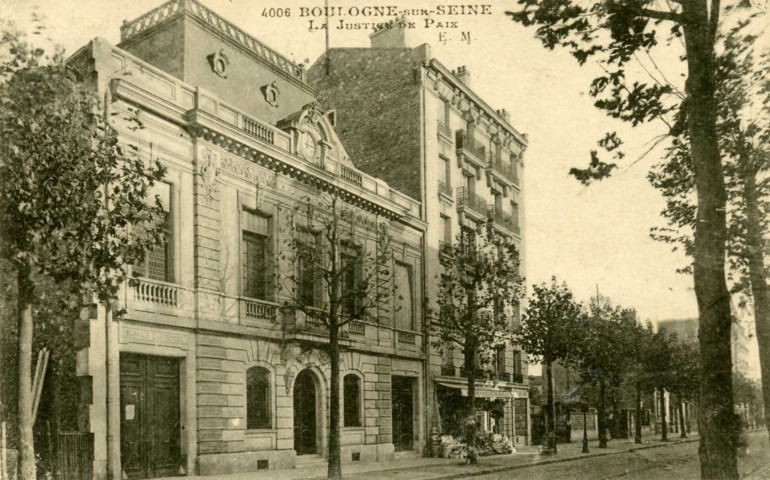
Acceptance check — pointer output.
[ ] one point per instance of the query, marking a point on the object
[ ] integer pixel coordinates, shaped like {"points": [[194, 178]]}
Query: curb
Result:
{"points": [[507, 468]]}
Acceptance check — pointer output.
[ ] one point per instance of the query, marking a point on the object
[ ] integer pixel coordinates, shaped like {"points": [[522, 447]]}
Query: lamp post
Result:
{"points": [[585, 428]]}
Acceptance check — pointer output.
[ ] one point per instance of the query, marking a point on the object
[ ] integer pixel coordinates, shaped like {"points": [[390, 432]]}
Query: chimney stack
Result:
{"points": [[390, 35], [463, 75]]}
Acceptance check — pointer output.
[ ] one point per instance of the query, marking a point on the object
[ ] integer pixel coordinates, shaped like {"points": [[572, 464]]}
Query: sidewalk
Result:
{"points": [[447, 469]]}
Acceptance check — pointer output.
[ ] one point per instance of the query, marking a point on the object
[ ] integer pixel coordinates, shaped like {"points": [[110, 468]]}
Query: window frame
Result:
{"points": [[410, 277], [269, 396], [168, 245], [359, 410], [267, 284]]}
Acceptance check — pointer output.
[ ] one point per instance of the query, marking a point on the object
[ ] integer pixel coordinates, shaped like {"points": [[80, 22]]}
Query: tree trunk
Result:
{"points": [[718, 435], [551, 407], [663, 419], [638, 414], [602, 415], [335, 463], [470, 369], [759, 290], [26, 439], [680, 409]]}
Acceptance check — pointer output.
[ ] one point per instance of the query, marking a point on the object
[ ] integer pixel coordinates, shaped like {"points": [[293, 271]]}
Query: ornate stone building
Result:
{"points": [[208, 372], [409, 120]]}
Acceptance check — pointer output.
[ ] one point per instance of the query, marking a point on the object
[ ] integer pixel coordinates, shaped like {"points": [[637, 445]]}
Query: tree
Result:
{"points": [[70, 191], [613, 32], [478, 292], [642, 338], [333, 279], [603, 355], [744, 133], [548, 334], [659, 366], [684, 381]]}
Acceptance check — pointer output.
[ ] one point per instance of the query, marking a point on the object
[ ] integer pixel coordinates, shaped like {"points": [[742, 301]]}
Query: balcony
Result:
{"points": [[155, 292], [506, 172], [258, 130], [504, 377], [255, 310], [447, 370], [408, 338], [472, 203], [351, 175], [445, 189], [518, 378], [357, 328], [468, 148], [444, 131], [503, 220]]}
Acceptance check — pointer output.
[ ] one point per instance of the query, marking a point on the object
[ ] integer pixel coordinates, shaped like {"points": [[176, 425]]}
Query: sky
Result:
{"points": [[591, 237]]}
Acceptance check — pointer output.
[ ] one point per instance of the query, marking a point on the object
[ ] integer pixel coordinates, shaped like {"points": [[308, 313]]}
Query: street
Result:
{"points": [[674, 462]]}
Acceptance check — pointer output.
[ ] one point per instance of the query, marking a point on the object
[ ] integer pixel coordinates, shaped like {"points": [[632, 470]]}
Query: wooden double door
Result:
{"points": [[149, 416], [402, 396]]}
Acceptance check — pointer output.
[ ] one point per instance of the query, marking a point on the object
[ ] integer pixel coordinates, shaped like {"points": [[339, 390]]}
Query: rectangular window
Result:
{"points": [[446, 224], [351, 265], [517, 372], [443, 173], [447, 112], [158, 263], [255, 265], [468, 239], [470, 184], [258, 398], [404, 297], [500, 360], [515, 213], [351, 401], [308, 292]]}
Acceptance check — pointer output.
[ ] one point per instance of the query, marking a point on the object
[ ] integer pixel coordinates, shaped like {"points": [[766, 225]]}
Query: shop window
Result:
{"points": [[258, 398], [255, 266], [158, 262], [351, 400]]}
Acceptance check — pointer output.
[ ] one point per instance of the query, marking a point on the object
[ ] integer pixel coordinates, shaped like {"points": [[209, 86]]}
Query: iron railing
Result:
{"points": [[444, 188], [469, 145], [471, 201], [75, 456]]}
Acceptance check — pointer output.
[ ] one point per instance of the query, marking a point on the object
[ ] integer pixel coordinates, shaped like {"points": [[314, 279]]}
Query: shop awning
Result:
{"points": [[481, 392]]}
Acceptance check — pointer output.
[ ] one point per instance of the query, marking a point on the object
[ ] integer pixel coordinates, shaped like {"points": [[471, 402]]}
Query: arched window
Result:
{"points": [[352, 400], [258, 398]]}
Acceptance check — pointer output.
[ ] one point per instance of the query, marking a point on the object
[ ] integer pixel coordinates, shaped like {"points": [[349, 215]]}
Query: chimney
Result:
{"points": [[463, 75], [390, 35], [505, 114]]}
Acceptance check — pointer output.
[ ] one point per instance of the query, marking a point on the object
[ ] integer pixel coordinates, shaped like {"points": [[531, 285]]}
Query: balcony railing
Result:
{"points": [[261, 310], [406, 337], [357, 328], [444, 188], [443, 129], [314, 318], [448, 370], [351, 175], [469, 145], [505, 220], [508, 171], [258, 131], [154, 292], [471, 201]]}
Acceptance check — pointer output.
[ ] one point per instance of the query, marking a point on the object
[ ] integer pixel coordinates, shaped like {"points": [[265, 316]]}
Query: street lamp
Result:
{"points": [[585, 427]]}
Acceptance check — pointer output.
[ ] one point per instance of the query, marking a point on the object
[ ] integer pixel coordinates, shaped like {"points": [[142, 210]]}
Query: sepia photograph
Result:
{"points": [[384, 239]]}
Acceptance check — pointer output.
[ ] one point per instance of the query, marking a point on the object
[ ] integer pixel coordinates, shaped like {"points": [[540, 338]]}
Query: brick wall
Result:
{"points": [[376, 94]]}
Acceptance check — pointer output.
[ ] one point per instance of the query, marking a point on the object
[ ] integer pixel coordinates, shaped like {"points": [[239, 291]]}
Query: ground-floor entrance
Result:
{"points": [[402, 396], [305, 422], [149, 416]]}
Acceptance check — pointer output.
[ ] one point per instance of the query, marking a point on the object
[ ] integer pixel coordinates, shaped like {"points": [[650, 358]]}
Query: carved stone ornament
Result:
{"points": [[296, 357], [219, 63], [312, 114], [208, 168], [271, 93]]}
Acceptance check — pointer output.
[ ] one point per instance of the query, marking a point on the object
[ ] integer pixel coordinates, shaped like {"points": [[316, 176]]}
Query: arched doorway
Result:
{"points": [[305, 425]]}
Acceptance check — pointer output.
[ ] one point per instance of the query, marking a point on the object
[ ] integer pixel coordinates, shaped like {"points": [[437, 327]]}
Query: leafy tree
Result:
{"points": [[743, 92], [603, 355], [640, 344], [660, 365], [684, 381], [478, 292], [333, 279], [548, 334], [614, 33], [70, 190]]}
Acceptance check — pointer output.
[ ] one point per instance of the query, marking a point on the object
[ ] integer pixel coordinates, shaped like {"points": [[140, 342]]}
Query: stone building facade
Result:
{"points": [[208, 371], [409, 120]]}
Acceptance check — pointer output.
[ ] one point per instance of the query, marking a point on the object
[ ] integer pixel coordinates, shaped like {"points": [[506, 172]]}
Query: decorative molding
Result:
{"points": [[271, 93], [208, 168], [219, 63], [249, 171]]}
